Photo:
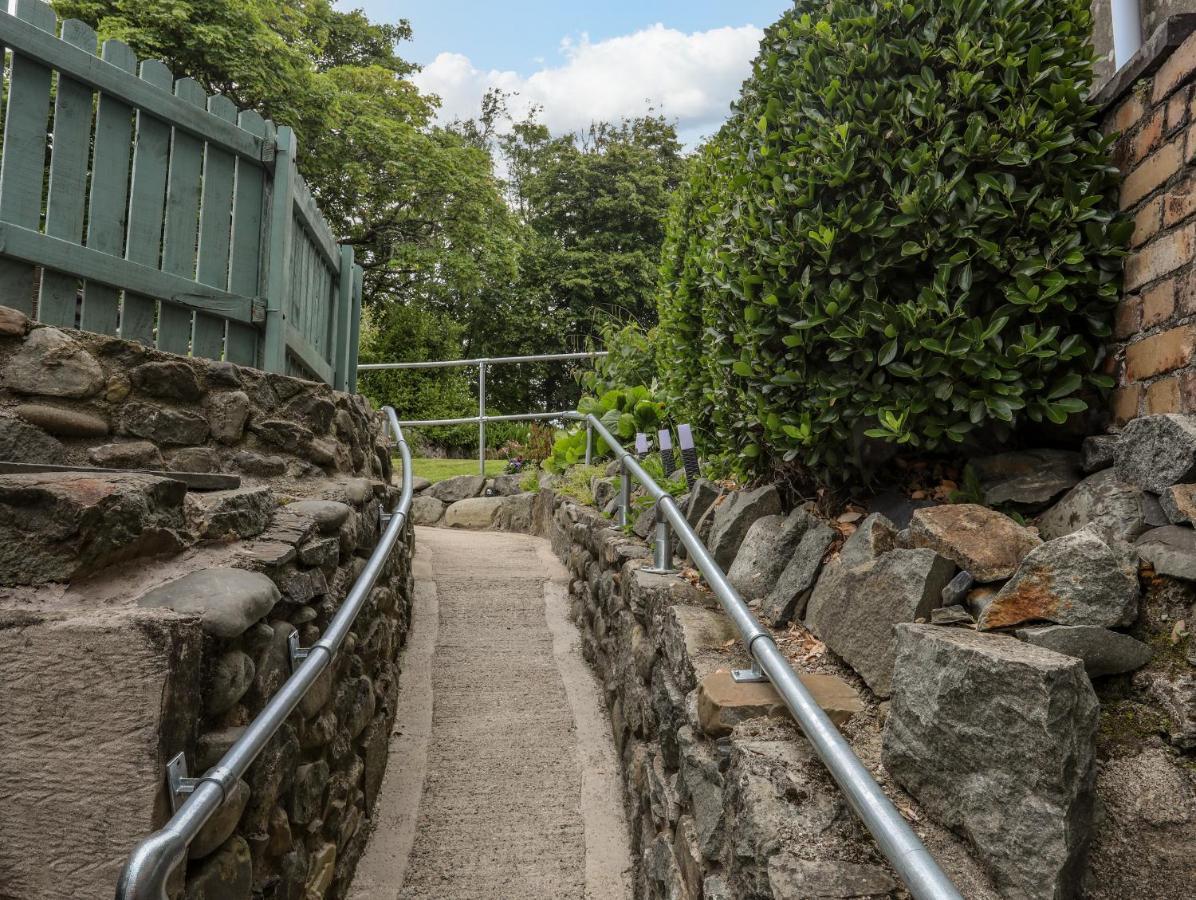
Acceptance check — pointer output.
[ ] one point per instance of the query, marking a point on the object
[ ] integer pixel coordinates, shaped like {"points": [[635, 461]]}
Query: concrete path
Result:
{"points": [[503, 780]]}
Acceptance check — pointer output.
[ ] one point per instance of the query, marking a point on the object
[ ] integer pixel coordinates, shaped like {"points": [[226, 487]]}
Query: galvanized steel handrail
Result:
{"points": [[147, 870], [897, 841], [484, 360]]}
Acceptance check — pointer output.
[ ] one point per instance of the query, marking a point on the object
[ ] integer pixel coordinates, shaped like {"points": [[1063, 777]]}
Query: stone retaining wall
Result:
{"points": [[140, 619]]}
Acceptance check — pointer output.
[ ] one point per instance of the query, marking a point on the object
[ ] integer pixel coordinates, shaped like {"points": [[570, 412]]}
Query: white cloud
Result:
{"points": [[691, 78]]}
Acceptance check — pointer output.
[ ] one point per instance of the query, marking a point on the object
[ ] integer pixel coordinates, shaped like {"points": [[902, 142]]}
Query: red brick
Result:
{"points": [[1125, 403], [1179, 65], [1163, 352], [1177, 109], [1148, 219], [1162, 396], [1153, 172], [1127, 320], [1160, 257], [1158, 304], [1127, 115], [1146, 139], [1181, 202]]}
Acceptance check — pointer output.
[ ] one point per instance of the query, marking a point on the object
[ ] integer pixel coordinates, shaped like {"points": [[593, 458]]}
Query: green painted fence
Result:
{"points": [[133, 203]]}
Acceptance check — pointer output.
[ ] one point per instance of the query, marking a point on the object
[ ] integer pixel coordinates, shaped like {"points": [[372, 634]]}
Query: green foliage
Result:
{"points": [[624, 411], [530, 482], [631, 359], [577, 483], [906, 234]]}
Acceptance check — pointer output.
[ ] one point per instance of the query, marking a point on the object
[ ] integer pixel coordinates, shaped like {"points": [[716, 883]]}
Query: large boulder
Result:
{"points": [[734, 516], [1155, 452], [855, 619], [227, 601], [1027, 477], [1102, 651], [426, 510], [57, 526], [1079, 579], [1117, 506], [766, 550], [979, 540], [700, 498], [453, 489], [788, 598], [474, 512], [52, 364], [1170, 550], [995, 739]]}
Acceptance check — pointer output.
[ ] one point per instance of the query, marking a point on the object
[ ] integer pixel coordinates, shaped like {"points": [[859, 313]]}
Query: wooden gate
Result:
{"points": [[133, 203]]}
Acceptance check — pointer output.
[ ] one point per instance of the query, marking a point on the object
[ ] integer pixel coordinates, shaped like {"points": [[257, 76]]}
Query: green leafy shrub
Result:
{"points": [[906, 233], [623, 411], [631, 359]]}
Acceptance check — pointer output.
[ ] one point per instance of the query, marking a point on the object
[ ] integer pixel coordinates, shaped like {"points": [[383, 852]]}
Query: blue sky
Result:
{"points": [[583, 61]]}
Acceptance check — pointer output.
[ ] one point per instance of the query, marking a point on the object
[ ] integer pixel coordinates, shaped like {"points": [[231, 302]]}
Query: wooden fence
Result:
{"points": [[135, 204]]}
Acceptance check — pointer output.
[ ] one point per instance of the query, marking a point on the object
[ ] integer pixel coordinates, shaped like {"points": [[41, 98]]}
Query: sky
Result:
{"points": [[585, 61]]}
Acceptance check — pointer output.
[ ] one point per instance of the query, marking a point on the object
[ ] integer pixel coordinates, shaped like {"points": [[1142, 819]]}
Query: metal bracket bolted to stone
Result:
{"points": [[383, 518], [178, 784], [298, 654], [754, 675]]}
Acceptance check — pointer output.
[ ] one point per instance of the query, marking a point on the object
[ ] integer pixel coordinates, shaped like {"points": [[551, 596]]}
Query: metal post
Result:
{"points": [[482, 418], [625, 496], [662, 550], [589, 444], [1127, 30]]}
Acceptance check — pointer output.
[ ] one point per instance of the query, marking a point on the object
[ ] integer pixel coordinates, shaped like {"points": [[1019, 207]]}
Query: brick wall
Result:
{"points": [[1154, 348]]}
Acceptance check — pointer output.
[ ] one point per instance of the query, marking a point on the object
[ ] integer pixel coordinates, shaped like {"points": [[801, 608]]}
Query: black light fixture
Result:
{"points": [[689, 454]]}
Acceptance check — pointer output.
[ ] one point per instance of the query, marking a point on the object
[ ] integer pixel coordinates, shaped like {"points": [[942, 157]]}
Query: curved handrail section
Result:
{"points": [[893, 835], [147, 870]]}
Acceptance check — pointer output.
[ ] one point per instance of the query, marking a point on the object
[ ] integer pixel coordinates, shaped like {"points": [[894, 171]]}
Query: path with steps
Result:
{"points": [[503, 780]]}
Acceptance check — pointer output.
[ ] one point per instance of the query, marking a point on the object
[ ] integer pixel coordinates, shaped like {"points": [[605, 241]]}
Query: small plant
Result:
{"points": [[623, 411], [531, 482], [577, 483], [518, 464]]}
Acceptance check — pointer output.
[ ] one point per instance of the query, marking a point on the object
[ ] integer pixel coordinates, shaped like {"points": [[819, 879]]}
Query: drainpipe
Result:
{"points": [[1127, 30]]}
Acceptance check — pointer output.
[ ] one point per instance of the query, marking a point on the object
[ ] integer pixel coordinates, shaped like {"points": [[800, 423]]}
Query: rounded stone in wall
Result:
{"points": [[232, 674]]}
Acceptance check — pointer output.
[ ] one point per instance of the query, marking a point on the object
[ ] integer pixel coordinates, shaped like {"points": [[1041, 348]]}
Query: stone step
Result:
{"points": [[723, 702]]}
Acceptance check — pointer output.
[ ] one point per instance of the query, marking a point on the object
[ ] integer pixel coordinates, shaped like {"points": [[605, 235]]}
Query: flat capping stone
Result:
{"points": [[1153, 53]]}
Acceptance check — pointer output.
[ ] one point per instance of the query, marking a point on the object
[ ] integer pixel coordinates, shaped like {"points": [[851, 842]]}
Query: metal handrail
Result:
{"points": [[897, 841], [149, 867], [483, 360]]}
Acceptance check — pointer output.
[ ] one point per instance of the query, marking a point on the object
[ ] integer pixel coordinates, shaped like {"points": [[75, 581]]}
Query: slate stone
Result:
{"points": [[23, 443], [169, 379], [227, 601], [426, 510], [473, 512], [1170, 550], [957, 589], [951, 615], [855, 616], [1155, 452], [791, 876], [1026, 477], [63, 422], [51, 364], [258, 464], [982, 723], [1079, 579], [1097, 452], [1116, 506], [701, 496], [1179, 504], [324, 551], [242, 512], [462, 487], [228, 414], [979, 540], [162, 425], [58, 526], [232, 674], [225, 875], [1102, 651], [329, 515], [789, 596], [765, 552], [734, 516]]}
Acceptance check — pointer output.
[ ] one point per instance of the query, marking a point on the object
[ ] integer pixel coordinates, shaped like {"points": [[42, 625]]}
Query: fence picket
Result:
{"points": [[23, 168], [71, 146], [245, 266], [182, 220], [215, 230], [151, 159], [355, 329], [342, 305], [107, 210], [281, 227]]}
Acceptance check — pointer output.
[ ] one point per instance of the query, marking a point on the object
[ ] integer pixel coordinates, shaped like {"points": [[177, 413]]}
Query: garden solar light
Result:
{"points": [[666, 452], [641, 445], [689, 454]]}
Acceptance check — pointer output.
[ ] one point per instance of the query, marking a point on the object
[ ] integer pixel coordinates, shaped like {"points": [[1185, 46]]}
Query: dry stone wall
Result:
{"points": [[140, 618]]}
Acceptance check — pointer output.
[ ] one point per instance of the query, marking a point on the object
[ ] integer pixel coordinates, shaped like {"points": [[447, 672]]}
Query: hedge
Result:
{"points": [[906, 233]]}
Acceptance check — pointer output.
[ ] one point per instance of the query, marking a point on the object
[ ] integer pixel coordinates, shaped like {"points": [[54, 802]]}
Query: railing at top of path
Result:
{"points": [[481, 418], [893, 835], [170, 217], [147, 870]]}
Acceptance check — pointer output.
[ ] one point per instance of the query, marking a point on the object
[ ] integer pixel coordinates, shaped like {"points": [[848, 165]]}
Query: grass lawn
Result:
{"points": [[439, 469]]}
